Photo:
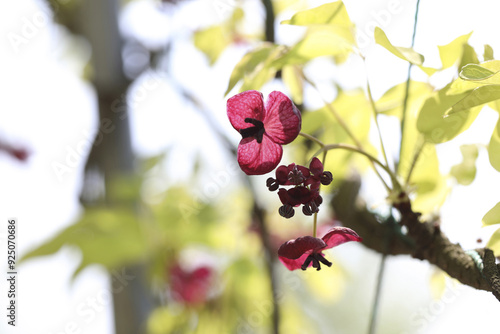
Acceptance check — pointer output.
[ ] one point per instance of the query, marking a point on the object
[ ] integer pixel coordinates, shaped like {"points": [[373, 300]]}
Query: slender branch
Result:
{"points": [[407, 88]]}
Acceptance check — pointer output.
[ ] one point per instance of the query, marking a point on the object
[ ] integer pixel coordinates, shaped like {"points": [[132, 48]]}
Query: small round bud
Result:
{"points": [[272, 184], [326, 178], [286, 211]]}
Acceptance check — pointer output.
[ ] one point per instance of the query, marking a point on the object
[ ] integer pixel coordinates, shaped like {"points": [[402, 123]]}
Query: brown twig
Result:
{"points": [[423, 240]]}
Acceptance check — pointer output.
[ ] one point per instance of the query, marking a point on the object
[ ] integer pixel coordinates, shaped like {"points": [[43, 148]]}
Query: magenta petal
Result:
{"points": [[295, 263], [338, 235], [316, 167], [282, 121], [258, 159], [249, 104], [295, 248]]}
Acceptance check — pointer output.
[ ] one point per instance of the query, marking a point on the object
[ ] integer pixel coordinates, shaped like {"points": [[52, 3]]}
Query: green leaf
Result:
{"points": [[492, 217], [293, 78], [404, 53], [475, 72], [263, 72], [319, 41], [111, 238], [488, 53], [355, 110], [248, 64], [494, 148], [211, 41], [333, 13], [494, 242], [391, 102], [465, 172], [477, 97], [469, 56], [431, 121], [462, 84], [453, 51]]}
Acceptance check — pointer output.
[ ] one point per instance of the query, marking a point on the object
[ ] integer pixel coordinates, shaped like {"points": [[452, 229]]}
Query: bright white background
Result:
{"points": [[49, 109]]}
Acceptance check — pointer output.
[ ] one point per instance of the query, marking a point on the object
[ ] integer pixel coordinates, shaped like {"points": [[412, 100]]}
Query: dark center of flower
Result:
{"points": [[256, 131], [295, 176], [315, 258]]}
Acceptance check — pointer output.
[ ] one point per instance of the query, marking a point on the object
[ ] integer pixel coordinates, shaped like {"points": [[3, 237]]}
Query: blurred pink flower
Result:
{"points": [[264, 129], [190, 287]]}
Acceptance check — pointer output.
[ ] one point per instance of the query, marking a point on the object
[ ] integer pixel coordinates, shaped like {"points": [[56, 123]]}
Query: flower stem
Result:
{"points": [[312, 138], [378, 289], [375, 117], [369, 156], [407, 88]]}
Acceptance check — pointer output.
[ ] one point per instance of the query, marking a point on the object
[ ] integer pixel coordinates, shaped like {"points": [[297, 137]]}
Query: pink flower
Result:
{"points": [[306, 251], [264, 128], [190, 287]]}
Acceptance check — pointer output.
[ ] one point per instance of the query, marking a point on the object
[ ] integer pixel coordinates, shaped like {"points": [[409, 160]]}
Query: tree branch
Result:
{"points": [[423, 240]]}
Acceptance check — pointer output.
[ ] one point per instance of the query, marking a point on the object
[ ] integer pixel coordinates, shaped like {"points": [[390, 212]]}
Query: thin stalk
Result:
{"points": [[378, 290], [407, 88], [337, 116], [369, 156], [312, 138], [414, 160], [375, 116], [346, 128], [315, 219]]}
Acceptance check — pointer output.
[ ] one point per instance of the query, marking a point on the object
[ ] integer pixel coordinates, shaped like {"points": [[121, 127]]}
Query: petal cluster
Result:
{"points": [[306, 251], [264, 128], [306, 182]]}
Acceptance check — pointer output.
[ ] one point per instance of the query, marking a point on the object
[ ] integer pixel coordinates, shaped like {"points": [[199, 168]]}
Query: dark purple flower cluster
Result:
{"points": [[306, 182]]}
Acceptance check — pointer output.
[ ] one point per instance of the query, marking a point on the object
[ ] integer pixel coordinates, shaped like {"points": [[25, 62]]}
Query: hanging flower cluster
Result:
{"points": [[306, 182], [264, 129]]}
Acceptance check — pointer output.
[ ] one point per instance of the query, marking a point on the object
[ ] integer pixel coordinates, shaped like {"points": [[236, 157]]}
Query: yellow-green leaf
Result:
{"points": [[293, 78], [248, 64], [331, 13], [453, 51], [431, 121], [460, 85], [108, 237], [391, 102], [494, 148], [494, 242], [326, 40], [431, 187], [477, 97], [465, 172], [492, 217], [475, 72], [407, 54], [211, 41], [488, 53]]}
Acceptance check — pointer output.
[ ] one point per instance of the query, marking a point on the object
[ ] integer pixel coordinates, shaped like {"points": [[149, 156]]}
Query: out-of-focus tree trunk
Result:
{"points": [[98, 23]]}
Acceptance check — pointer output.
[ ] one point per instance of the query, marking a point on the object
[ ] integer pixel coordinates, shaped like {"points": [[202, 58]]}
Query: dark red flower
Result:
{"points": [[263, 128], [306, 251], [190, 287], [306, 190]]}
